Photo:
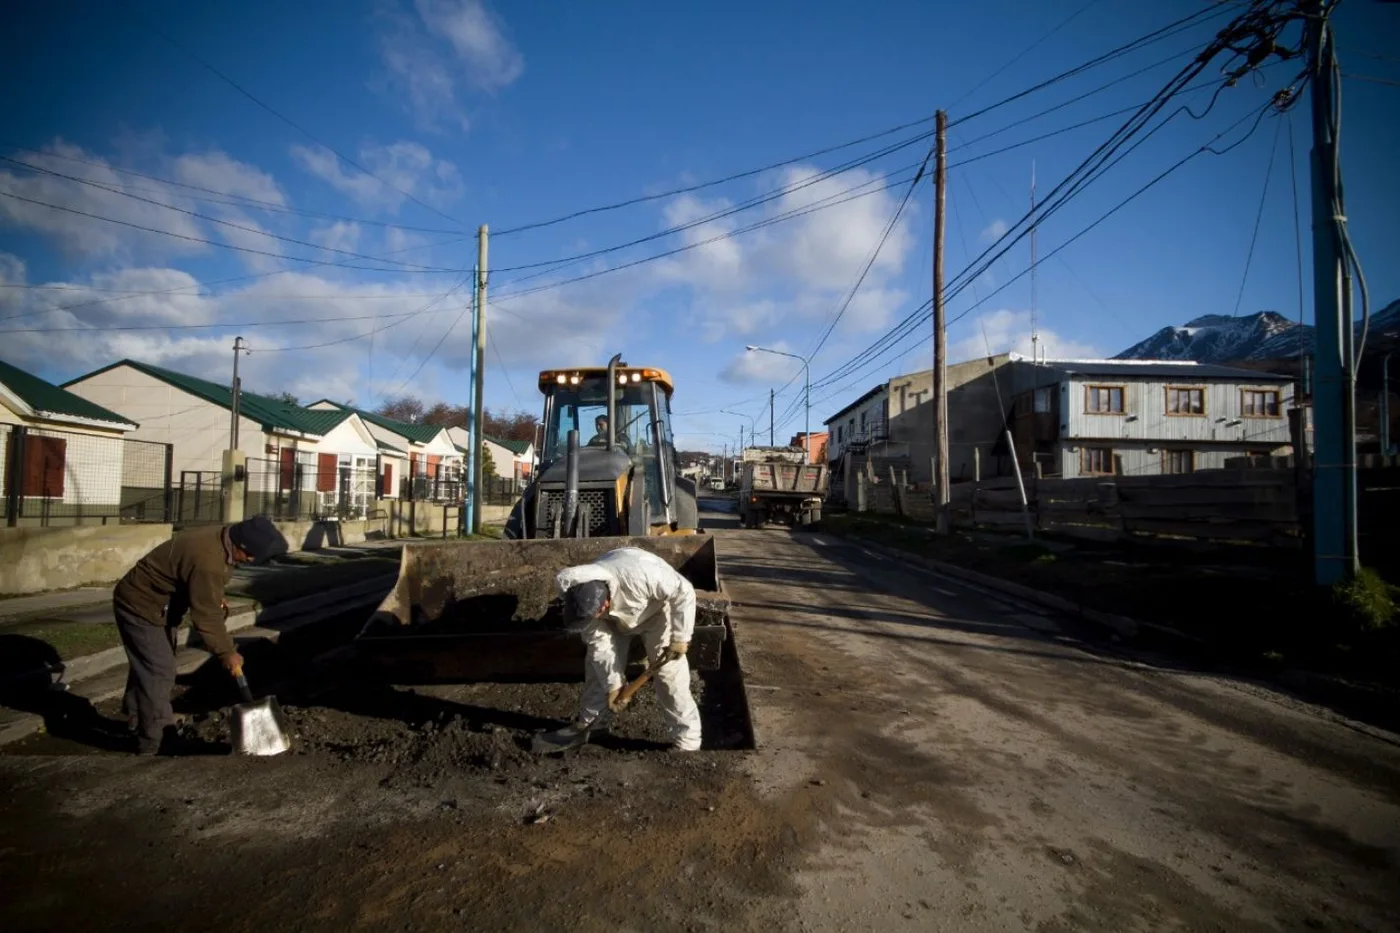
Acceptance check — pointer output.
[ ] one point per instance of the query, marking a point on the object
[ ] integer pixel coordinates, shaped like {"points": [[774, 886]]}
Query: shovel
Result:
{"points": [[576, 734], [258, 726]]}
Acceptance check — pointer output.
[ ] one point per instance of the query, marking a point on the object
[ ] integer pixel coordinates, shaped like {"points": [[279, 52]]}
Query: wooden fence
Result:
{"points": [[1254, 506]]}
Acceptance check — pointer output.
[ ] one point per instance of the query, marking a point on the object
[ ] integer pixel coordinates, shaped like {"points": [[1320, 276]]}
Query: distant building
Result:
{"points": [[815, 444]]}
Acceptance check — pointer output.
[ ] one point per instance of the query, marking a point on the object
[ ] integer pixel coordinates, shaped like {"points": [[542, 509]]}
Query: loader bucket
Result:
{"points": [[487, 610]]}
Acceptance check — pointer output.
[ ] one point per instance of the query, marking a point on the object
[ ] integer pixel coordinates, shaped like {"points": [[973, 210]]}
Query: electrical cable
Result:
{"points": [[1258, 217], [376, 330], [285, 119]]}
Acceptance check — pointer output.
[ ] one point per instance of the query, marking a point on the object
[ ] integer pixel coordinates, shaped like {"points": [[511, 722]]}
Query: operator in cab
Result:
{"points": [[628, 593], [188, 573], [600, 439]]}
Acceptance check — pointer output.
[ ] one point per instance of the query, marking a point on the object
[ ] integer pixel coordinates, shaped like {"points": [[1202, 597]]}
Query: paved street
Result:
{"points": [[930, 758]]}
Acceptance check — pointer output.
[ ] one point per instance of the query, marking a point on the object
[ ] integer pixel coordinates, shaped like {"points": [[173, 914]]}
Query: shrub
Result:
{"points": [[1367, 600]]}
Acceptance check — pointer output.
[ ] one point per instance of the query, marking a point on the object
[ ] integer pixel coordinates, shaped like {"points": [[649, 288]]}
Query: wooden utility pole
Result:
{"points": [[480, 351], [940, 335], [770, 419]]}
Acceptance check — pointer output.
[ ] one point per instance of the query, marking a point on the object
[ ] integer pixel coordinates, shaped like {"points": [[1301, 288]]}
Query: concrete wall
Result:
{"points": [[842, 429], [979, 390], [33, 560]]}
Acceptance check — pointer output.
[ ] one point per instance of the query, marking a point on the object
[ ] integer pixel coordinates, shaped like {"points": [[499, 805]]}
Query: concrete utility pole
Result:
{"points": [[480, 375], [235, 391], [1334, 457], [771, 395], [469, 510], [940, 334]]}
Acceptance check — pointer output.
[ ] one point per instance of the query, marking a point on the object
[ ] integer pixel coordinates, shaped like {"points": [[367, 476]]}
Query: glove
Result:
{"points": [[674, 651], [232, 662], [613, 695]]}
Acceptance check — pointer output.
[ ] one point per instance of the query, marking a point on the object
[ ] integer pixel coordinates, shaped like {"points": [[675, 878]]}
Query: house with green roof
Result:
{"points": [[430, 459], [61, 456], [328, 458], [512, 459]]}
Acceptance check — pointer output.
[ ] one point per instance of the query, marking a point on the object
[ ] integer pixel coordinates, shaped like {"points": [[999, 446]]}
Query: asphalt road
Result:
{"points": [[979, 769], [930, 758]]}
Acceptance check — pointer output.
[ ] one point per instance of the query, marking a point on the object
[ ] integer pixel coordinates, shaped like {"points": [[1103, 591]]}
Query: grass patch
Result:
{"points": [[1367, 600], [72, 639]]}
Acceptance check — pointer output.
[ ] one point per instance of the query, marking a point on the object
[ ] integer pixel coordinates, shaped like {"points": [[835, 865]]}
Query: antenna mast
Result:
{"points": [[1035, 336]]}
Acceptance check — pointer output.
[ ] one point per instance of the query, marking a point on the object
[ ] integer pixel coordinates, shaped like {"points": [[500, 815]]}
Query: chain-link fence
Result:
{"points": [[53, 477]]}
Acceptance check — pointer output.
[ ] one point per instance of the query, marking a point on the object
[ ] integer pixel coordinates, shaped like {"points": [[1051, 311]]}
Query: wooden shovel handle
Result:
{"points": [[630, 690]]}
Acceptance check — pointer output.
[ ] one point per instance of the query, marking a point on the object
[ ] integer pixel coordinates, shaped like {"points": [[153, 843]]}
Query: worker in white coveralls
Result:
{"points": [[625, 593]]}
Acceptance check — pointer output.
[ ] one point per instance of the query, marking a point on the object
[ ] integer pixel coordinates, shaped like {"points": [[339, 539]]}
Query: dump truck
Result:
{"points": [[607, 462], [776, 484]]}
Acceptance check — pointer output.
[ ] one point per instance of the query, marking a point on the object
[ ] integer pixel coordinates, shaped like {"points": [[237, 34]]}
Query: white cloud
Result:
{"points": [[216, 170], [1010, 331], [755, 366], [72, 221], [993, 231], [406, 166], [442, 48], [343, 235]]}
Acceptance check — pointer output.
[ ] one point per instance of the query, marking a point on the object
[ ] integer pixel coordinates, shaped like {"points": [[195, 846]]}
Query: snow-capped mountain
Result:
{"points": [[1221, 338]]}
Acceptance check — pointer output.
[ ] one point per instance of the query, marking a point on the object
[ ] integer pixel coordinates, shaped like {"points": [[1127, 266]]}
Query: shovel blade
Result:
{"points": [[260, 728], [573, 735]]}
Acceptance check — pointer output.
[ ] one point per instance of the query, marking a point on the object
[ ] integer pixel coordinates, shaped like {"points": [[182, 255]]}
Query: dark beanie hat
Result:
{"points": [[258, 537], [582, 602]]}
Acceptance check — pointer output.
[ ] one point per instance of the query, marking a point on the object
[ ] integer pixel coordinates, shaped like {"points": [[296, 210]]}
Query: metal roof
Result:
{"points": [[1160, 369], [45, 398], [271, 413]]}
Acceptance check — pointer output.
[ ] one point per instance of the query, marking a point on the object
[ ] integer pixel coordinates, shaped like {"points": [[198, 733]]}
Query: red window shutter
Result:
{"points": [[289, 460], [412, 464], [388, 479], [327, 470], [433, 461], [44, 459]]}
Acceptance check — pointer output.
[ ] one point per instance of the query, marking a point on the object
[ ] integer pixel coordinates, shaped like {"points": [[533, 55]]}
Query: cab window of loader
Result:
{"points": [[579, 407]]}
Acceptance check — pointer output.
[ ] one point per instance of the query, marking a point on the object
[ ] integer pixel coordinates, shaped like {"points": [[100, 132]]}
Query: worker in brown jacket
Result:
{"points": [[188, 573]]}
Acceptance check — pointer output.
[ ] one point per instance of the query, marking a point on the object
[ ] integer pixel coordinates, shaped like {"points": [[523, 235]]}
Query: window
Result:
{"points": [[1185, 401], [327, 472], [1259, 403], [1103, 400], [1040, 402], [1096, 461], [1178, 461], [43, 468]]}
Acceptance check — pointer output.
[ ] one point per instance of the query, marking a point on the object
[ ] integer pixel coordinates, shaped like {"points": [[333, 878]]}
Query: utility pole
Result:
{"points": [[236, 391], [470, 501], [940, 336], [480, 376], [770, 417], [1334, 458], [1035, 336]]}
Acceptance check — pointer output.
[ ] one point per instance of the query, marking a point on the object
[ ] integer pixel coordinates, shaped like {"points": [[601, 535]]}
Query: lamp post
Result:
{"points": [[752, 429], [806, 394]]}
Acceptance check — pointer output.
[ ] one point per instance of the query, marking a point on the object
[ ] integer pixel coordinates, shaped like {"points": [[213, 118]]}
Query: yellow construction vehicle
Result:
{"points": [[607, 463]]}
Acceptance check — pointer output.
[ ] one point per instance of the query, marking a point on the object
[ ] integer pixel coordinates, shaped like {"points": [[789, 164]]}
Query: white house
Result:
{"points": [[512, 459], [1139, 417], [429, 462], [297, 459], [62, 458], [860, 424]]}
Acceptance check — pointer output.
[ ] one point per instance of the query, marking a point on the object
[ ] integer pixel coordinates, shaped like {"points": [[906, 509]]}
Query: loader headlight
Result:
{"points": [[563, 378], [636, 377], [573, 380]]}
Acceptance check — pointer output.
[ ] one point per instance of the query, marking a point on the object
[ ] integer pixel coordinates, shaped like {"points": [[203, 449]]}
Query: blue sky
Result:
{"points": [[512, 113]]}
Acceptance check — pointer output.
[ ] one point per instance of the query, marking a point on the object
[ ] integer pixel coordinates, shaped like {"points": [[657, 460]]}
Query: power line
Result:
{"points": [[240, 200], [225, 281], [1297, 226], [1258, 217], [1023, 53], [505, 372], [285, 119], [1374, 80], [212, 324], [205, 242], [376, 330], [1158, 35], [206, 217], [431, 353]]}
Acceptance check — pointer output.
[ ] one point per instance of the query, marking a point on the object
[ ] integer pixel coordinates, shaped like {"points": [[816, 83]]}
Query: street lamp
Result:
{"points": [[752, 428], [806, 389]]}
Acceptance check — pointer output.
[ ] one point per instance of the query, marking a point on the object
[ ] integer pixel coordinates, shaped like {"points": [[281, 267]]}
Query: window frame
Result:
{"points": [[1047, 393], [1167, 453], [1084, 461], [1278, 402], [1167, 391], [1122, 390]]}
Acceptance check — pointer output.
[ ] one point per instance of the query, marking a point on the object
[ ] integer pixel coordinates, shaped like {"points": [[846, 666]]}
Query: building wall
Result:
{"points": [[1145, 413], [92, 459], [841, 429], [198, 430], [978, 392], [1142, 458]]}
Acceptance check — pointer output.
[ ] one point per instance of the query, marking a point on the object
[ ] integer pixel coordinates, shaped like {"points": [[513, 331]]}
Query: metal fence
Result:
{"points": [[500, 490], [52, 477], [199, 497]]}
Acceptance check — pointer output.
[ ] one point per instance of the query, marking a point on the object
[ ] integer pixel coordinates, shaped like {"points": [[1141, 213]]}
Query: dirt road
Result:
{"points": [[930, 758]]}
